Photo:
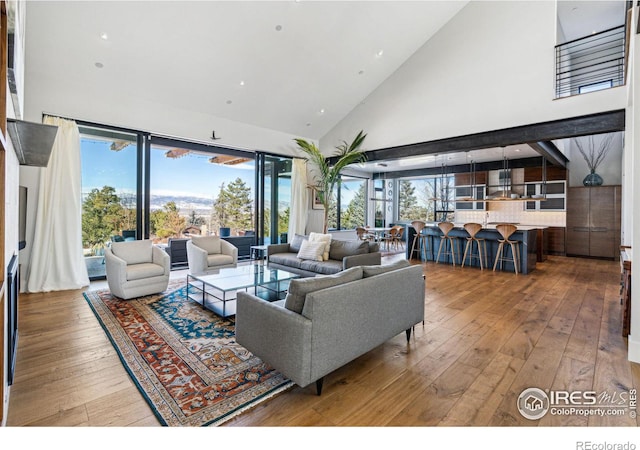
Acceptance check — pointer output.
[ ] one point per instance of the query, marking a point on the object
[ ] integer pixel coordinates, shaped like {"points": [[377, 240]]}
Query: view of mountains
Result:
{"points": [[185, 203]]}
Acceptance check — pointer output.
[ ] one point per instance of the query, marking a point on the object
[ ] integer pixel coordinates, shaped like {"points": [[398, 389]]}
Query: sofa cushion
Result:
{"points": [[209, 243], [311, 250], [370, 271], [300, 287], [340, 249], [322, 267], [326, 238], [296, 242], [286, 259], [134, 252]]}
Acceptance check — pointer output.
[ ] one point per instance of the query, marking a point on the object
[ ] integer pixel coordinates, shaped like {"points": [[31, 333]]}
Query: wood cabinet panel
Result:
{"points": [[533, 174], [593, 221], [556, 241], [464, 179]]}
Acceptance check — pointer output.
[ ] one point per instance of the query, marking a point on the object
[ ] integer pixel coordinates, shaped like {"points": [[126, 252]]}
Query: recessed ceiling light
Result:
{"points": [[278, 27], [361, 72], [104, 36], [241, 83], [321, 111], [308, 124], [229, 102], [99, 65], [517, 150], [379, 53]]}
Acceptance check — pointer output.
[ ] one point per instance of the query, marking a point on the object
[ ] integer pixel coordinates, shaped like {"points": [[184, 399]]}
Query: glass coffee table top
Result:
{"points": [[217, 291]]}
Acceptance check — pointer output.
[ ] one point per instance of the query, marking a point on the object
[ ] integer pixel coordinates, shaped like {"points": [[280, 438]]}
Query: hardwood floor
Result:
{"points": [[486, 337]]}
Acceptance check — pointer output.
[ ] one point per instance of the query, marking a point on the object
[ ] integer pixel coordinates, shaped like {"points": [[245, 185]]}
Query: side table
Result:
{"points": [[258, 253]]}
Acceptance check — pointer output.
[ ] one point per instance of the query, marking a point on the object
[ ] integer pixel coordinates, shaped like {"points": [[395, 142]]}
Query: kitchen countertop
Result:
{"points": [[492, 226]]}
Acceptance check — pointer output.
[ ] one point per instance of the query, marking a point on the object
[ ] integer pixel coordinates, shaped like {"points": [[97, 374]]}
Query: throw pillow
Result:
{"points": [[369, 271], [300, 287], [209, 243], [339, 249], [326, 238], [311, 250], [296, 242]]}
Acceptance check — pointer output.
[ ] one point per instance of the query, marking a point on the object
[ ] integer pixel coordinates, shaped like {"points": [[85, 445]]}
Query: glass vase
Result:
{"points": [[593, 179]]}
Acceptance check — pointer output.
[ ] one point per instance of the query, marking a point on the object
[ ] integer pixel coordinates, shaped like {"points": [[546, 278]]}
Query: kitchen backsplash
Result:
{"points": [[513, 212]]}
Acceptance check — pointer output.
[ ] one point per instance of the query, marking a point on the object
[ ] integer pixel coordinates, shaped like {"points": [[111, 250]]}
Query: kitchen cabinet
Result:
{"points": [[593, 221]]}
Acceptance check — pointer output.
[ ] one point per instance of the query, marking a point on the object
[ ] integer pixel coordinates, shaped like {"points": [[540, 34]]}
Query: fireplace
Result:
{"points": [[13, 287]]}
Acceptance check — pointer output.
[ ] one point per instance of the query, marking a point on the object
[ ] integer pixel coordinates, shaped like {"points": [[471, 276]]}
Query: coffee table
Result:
{"points": [[217, 291]]}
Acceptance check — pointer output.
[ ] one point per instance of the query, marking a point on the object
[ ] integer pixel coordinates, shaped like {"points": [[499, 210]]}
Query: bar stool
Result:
{"points": [[447, 241], [481, 245], [421, 239], [506, 230]]}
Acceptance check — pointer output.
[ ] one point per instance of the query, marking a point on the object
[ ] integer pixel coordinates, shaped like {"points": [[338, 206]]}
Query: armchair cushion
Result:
{"points": [[209, 243], [144, 270], [219, 260], [299, 288], [133, 252]]}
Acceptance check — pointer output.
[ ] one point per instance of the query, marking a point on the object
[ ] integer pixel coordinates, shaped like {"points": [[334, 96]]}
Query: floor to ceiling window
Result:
{"points": [[276, 199], [430, 199], [353, 202], [196, 191], [109, 191]]}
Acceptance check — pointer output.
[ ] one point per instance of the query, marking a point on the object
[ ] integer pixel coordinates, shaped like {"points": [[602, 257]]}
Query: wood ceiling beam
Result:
{"points": [[606, 122]]}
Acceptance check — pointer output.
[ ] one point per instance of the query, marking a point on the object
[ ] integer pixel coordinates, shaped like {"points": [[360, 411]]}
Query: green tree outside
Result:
{"points": [[354, 214], [167, 222], [234, 207], [102, 216]]}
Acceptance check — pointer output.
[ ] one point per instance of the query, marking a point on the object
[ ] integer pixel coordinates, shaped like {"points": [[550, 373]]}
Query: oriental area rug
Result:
{"points": [[184, 359]]}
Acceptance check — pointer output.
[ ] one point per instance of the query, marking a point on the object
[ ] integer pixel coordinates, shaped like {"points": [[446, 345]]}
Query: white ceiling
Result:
{"points": [[304, 64]]}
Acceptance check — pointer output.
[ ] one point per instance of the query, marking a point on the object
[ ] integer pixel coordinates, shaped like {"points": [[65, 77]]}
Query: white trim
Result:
{"points": [[634, 350]]}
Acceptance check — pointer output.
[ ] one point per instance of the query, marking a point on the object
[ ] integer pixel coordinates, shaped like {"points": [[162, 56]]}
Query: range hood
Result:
{"points": [[32, 141]]}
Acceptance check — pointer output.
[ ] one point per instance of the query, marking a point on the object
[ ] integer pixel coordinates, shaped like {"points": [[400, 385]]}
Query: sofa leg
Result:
{"points": [[319, 385], [408, 331]]}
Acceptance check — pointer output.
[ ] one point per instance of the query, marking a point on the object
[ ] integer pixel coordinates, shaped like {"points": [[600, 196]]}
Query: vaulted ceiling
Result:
{"points": [[294, 66]]}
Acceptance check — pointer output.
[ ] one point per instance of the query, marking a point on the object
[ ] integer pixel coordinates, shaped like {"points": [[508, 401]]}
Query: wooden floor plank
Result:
{"points": [[482, 343]]}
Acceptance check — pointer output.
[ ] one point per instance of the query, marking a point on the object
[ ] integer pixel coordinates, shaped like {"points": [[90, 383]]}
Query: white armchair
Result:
{"points": [[136, 268], [208, 254]]}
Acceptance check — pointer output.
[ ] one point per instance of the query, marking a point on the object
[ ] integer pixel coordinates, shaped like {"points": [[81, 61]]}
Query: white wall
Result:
{"points": [[155, 117], [490, 67]]}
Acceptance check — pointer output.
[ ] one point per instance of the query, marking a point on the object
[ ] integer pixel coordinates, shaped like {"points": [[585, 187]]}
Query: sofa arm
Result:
{"points": [[278, 336], [227, 248], [277, 248], [365, 259], [161, 258]]}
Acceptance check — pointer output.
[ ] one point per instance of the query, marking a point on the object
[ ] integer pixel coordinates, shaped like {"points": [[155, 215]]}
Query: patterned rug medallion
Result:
{"points": [[184, 359]]}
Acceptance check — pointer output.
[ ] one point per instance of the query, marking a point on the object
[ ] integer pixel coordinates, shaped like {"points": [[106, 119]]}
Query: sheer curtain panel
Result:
{"points": [[57, 262], [299, 198]]}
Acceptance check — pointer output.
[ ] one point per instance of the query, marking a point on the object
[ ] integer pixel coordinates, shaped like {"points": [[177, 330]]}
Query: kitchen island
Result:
{"points": [[526, 235]]}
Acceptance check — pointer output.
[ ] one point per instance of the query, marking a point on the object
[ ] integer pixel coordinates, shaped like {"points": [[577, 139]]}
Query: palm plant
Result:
{"points": [[327, 175]]}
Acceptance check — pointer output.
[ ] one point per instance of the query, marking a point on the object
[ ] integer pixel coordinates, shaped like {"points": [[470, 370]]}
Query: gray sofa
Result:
{"points": [[343, 255], [327, 321]]}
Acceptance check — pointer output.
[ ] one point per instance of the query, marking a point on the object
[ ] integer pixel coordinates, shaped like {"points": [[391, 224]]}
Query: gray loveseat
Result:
{"points": [[343, 255], [326, 322]]}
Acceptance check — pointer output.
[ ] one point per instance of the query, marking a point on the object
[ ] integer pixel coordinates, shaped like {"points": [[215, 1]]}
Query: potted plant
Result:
{"points": [[327, 175]]}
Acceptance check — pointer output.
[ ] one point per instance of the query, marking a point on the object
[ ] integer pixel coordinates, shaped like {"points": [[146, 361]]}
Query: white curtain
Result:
{"points": [[299, 198], [57, 261]]}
